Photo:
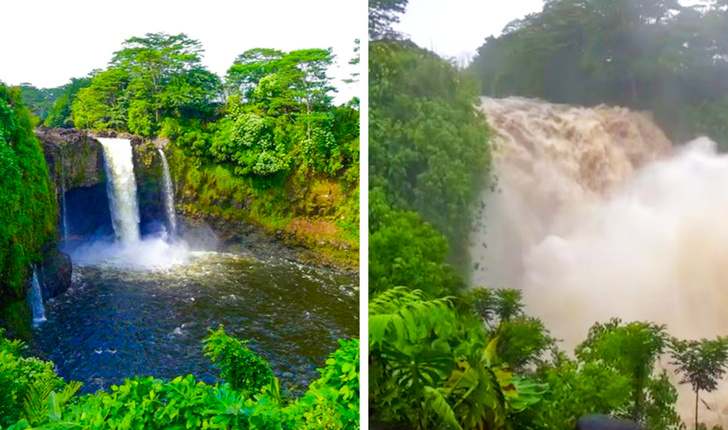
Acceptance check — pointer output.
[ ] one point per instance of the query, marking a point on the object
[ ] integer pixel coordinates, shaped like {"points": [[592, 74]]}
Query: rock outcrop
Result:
{"points": [[54, 273], [74, 157]]}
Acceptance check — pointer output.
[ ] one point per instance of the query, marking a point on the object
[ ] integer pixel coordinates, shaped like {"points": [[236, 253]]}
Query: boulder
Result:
{"points": [[54, 273]]}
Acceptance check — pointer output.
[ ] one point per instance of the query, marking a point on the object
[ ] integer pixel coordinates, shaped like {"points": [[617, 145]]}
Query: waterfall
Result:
{"points": [[596, 214], [122, 188], [63, 199], [169, 196], [130, 250], [36, 301], [550, 159]]}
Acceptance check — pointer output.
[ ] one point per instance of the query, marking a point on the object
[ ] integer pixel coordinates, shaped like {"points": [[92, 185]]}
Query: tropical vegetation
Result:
{"points": [[668, 57], [444, 354], [265, 132], [269, 126], [27, 202], [248, 395]]}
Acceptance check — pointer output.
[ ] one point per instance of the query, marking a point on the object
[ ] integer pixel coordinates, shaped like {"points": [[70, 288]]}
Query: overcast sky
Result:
{"points": [[47, 42], [456, 28]]}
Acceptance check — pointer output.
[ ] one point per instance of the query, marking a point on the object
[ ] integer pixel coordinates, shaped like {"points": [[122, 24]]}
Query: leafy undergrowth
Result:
{"points": [[313, 212], [249, 398]]}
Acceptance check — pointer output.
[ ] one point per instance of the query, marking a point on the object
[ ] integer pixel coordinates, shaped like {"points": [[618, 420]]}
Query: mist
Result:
{"points": [[596, 215]]}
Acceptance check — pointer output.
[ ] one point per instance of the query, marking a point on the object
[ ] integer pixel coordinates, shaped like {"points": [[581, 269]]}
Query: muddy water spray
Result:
{"points": [[596, 215]]}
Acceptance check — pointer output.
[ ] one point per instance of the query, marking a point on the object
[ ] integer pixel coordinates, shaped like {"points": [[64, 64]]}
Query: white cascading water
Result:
{"points": [[169, 196], [36, 301], [597, 215], [122, 188], [129, 251]]}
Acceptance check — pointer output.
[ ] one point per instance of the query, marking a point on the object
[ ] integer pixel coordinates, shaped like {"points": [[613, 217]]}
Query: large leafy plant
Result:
{"points": [[248, 398]]}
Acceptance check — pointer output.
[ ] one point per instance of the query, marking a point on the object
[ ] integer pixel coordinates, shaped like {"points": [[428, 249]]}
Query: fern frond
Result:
{"points": [[402, 315], [35, 403], [69, 391], [437, 404]]}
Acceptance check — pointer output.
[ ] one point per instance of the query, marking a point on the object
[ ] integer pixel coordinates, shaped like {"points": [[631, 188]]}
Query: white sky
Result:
{"points": [[47, 42], [456, 28]]}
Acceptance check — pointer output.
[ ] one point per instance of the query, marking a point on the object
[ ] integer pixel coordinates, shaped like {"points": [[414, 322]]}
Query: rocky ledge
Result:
{"points": [[74, 157], [54, 273]]}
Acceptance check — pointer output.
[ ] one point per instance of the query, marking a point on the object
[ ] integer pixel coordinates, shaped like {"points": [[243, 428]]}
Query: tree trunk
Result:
{"points": [[696, 409]]}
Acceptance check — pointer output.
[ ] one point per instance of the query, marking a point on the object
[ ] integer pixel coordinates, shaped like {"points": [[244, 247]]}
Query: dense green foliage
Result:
{"points": [[27, 203], [648, 54], [59, 115], [151, 78], [239, 366], [266, 144], [268, 128], [428, 144], [19, 375], [443, 355], [400, 246], [38, 398], [273, 113], [39, 100]]}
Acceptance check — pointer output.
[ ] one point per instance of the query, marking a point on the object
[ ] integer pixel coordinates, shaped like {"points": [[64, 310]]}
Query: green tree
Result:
{"points": [[632, 349], [702, 363], [60, 115], [154, 60], [150, 80], [428, 144], [249, 68], [104, 104], [382, 14], [27, 203], [39, 100], [280, 111], [405, 251]]}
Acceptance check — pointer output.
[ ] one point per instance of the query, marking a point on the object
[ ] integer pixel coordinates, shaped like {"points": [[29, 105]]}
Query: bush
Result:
{"points": [[332, 401], [239, 366]]}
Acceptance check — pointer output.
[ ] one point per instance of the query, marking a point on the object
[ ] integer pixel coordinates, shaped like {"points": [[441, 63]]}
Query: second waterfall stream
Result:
{"points": [[168, 196]]}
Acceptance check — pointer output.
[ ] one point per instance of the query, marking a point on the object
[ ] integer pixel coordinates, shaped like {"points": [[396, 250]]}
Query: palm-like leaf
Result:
{"points": [[35, 403], [401, 315], [437, 404]]}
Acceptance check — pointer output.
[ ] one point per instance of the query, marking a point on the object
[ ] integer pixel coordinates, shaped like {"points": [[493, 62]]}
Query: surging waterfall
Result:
{"points": [[169, 196], [550, 159], [597, 215], [36, 301], [63, 199], [122, 188]]}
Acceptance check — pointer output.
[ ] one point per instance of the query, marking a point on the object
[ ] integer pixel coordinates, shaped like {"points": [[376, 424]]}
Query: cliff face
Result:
{"points": [[75, 159]]}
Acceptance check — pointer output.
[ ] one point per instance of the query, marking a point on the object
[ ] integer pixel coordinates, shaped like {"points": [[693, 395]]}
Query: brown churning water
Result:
{"points": [[596, 214]]}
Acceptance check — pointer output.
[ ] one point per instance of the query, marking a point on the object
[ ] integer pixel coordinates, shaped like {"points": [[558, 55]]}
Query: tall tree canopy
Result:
{"points": [[150, 78], [646, 54]]}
